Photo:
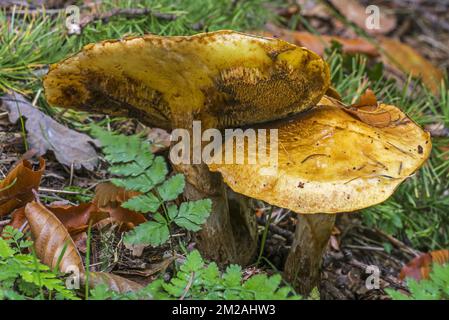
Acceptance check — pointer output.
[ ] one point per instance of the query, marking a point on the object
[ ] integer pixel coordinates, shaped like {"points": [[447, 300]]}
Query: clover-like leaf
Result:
{"points": [[172, 188], [149, 233], [193, 214]]}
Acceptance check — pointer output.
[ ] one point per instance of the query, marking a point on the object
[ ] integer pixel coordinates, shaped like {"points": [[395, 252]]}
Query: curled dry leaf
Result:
{"points": [[44, 133], [16, 190], [367, 99], [18, 219], [107, 195], [420, 267], [114, 282], [108, 198], [77, 218], [50, 238], [369, 111]]}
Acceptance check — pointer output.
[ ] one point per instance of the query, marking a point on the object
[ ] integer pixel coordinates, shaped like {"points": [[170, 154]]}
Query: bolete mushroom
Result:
{"points": [[331, 158], [225, 79], [329, 161]]}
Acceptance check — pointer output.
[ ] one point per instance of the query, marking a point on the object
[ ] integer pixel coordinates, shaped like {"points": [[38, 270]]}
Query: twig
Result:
{"points": [[125, 12], [278, 230], [369, 248], [4, 222], [187, 288], [48, 190], [397, 243]]}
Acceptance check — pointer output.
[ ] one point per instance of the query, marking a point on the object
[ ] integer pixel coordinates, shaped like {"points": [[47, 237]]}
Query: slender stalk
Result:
{"points": [[264, 236], [89, 236]]}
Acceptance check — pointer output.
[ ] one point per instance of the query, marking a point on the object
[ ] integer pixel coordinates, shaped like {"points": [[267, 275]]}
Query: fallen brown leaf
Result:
{"points": [[420, 267], [16, 188], [18, 218], [367, 99], [107, 195], [77, 218], [50, 238], [369, 111], [108, 198], [114, 282], [405, 59], [44, 133]]}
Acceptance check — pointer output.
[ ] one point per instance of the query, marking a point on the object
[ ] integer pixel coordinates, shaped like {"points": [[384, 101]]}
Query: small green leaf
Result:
{"points": [[233, 276], [144, 203], [172, 211], [192, 215], [148, 233], [158, 170], [5, 249], [172, 188]]}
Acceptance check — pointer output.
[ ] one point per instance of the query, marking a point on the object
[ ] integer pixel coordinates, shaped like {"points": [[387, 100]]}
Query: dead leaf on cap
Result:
{"points": [[44, 133], [16, 190], [368, 111], [367, 99]]}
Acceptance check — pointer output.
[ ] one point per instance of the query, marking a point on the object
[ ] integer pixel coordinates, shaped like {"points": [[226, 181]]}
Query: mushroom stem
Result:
{"points": [[302, 268], [228, 236]]}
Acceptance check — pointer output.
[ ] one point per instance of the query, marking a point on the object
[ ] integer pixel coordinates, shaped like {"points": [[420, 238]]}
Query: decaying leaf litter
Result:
{"points": [[346, 257]]}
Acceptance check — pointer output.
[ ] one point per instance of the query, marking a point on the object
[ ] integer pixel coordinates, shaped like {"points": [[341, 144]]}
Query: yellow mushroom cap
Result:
{"points": [[330, 161], [223, 78]]}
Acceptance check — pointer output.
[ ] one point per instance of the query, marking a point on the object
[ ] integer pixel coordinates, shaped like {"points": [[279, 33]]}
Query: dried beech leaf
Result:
{"points": [[18, 219], [109, 195], [109, 198], [376, 117], [420, 267], [367, 99], [114, 282], [405, 59], [77, 218], [50, 237], [44, 133], [369, 111], [16, 188]]}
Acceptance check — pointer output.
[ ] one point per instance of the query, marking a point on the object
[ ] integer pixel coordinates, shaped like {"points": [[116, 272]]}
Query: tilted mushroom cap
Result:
{"points": [[329, 161], [224, 78]]}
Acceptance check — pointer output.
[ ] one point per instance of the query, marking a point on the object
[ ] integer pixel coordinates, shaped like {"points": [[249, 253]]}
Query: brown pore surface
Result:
{"points": [[223, 78]]}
